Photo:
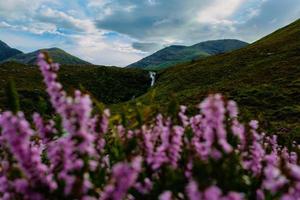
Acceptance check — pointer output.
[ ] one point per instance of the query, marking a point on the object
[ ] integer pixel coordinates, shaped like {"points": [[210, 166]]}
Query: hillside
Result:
{"points": [[7, 52], [107, 84], [178, 54], [56, 54], [262, 77]]}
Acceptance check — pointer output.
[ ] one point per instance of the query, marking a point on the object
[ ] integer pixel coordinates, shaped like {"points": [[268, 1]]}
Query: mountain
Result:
{"points": [[264, 79], [176, 54], [56, 54], [7, 52]]}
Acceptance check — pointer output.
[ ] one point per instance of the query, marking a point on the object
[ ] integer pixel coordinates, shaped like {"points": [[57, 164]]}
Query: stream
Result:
{"points": [[152, 76]]}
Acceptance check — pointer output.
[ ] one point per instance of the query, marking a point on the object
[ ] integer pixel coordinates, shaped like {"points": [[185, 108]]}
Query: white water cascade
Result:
{"points": [[152, 76]]}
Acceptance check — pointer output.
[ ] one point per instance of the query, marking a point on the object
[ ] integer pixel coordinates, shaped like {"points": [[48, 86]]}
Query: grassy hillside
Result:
{"points": [[175, 54], [7, 52], [264, 78], [108, 84], [56, 54]]}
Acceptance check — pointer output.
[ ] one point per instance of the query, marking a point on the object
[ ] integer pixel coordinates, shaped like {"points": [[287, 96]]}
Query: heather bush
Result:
{"points": [[79, 154]]}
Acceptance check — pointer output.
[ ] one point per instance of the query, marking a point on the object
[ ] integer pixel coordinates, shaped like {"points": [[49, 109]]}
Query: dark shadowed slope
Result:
{"points": [[178, 54], [7, 52], [107, 84]]}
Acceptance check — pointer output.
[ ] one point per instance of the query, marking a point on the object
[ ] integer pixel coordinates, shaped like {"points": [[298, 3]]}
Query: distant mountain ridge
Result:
{"points": [[7, 52], [56, 54], [176, 54]]}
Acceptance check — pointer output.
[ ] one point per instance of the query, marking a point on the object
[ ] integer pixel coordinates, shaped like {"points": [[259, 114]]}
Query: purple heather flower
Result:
{"points": [[105, 121], [163, 143], [184, 119], [256, 154], [46, 130], [77, 120], [75, 112], [293, 158], [176, 143], [239, 131], [253, 124], [274, 180], [212, 193], [166, 195], [295, 171], [260, 194], [6, 187], [209, 128], [189, 168], [192, 191], [293, 193], [124, 176], [17, 132], [232, 109], [145, 187], [233, 196]]}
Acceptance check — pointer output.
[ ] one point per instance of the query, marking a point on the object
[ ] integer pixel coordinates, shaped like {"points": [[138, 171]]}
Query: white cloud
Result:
{"points": [[152, 2], [129, 8], [219, 12], [96, 49], [97, 3], [101, 8], [36, 28], [65, 21], [253, 12], [18, 9]]}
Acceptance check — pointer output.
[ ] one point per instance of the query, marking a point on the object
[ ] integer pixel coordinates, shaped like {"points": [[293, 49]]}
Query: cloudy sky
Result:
{"points": [[119, 32]]}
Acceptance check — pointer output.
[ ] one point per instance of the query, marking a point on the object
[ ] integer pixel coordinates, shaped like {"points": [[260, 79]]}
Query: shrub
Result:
{"points": [[80, 155]]}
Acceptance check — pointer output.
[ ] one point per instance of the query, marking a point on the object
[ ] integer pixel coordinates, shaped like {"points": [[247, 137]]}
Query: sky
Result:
{"points": [[120, 32]]}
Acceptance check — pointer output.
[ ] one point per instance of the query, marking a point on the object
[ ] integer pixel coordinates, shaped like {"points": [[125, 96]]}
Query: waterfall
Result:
{"points": [[152, 76]]}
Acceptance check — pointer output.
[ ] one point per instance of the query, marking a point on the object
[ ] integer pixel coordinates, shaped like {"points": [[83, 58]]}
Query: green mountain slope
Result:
{"points": [[107, 84], [264, 78], [57, 54], [7, 52], [178, 54]]}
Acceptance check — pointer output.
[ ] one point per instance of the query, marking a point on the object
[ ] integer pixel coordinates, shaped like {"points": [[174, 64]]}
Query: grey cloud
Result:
{"points": [[176, 20], [146, 47], [273, 15], [151, 21]]}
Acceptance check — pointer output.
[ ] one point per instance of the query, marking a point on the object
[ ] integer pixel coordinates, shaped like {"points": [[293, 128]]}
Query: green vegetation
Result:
{"points": [[264, 78], [176, 54], [12, 97], [107, 84]]}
